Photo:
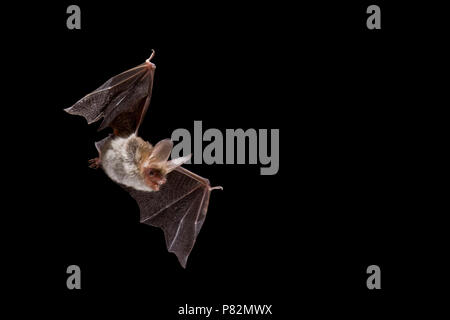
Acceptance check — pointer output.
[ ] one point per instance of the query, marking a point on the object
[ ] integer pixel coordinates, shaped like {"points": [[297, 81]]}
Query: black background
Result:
{"points": [[344, 197]]}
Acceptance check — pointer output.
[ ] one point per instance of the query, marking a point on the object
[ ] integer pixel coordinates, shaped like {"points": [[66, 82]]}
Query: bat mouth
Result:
{"points": [[156, 184]]}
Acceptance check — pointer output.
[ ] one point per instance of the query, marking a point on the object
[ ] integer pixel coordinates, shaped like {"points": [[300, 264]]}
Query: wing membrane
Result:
{"points": [[179, 209]]}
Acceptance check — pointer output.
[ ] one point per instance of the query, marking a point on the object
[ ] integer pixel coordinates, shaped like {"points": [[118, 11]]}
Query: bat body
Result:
{"points": [[169, 196], [123, 159]]}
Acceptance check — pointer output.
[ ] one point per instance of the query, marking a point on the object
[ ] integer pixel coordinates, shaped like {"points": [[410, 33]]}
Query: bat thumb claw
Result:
{"points": [[151, 56], [215, 188]]}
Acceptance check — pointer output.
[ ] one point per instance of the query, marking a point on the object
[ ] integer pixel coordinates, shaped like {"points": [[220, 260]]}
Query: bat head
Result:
{"points": [[157, 166]]}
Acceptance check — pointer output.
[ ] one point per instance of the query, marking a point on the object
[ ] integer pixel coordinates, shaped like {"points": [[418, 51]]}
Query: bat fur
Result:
{"points": [[123, 160]]}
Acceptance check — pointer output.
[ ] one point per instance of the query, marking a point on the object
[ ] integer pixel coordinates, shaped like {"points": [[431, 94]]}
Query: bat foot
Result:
{"points": [[94, 163]]}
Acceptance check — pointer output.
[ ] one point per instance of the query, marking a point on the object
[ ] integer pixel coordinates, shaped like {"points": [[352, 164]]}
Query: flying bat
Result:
{"points": [[169, 196]]}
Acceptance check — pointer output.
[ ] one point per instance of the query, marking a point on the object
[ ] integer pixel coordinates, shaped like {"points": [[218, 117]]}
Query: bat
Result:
{"points": [[169, 196]]}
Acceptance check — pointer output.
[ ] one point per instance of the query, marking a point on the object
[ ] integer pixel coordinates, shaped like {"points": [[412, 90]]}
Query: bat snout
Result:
{"points": [[155, 182]]}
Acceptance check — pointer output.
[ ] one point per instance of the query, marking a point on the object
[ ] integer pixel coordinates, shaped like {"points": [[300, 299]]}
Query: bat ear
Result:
{"points": [[161, 151], [174, 163]]}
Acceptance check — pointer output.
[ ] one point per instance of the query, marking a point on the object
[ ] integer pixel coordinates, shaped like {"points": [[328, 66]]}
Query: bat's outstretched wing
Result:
{"points": [[122, 101], [179, 208]]}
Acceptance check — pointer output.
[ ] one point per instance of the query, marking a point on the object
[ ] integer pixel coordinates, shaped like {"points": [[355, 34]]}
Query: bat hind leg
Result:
{"points": [[94, 163]]}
